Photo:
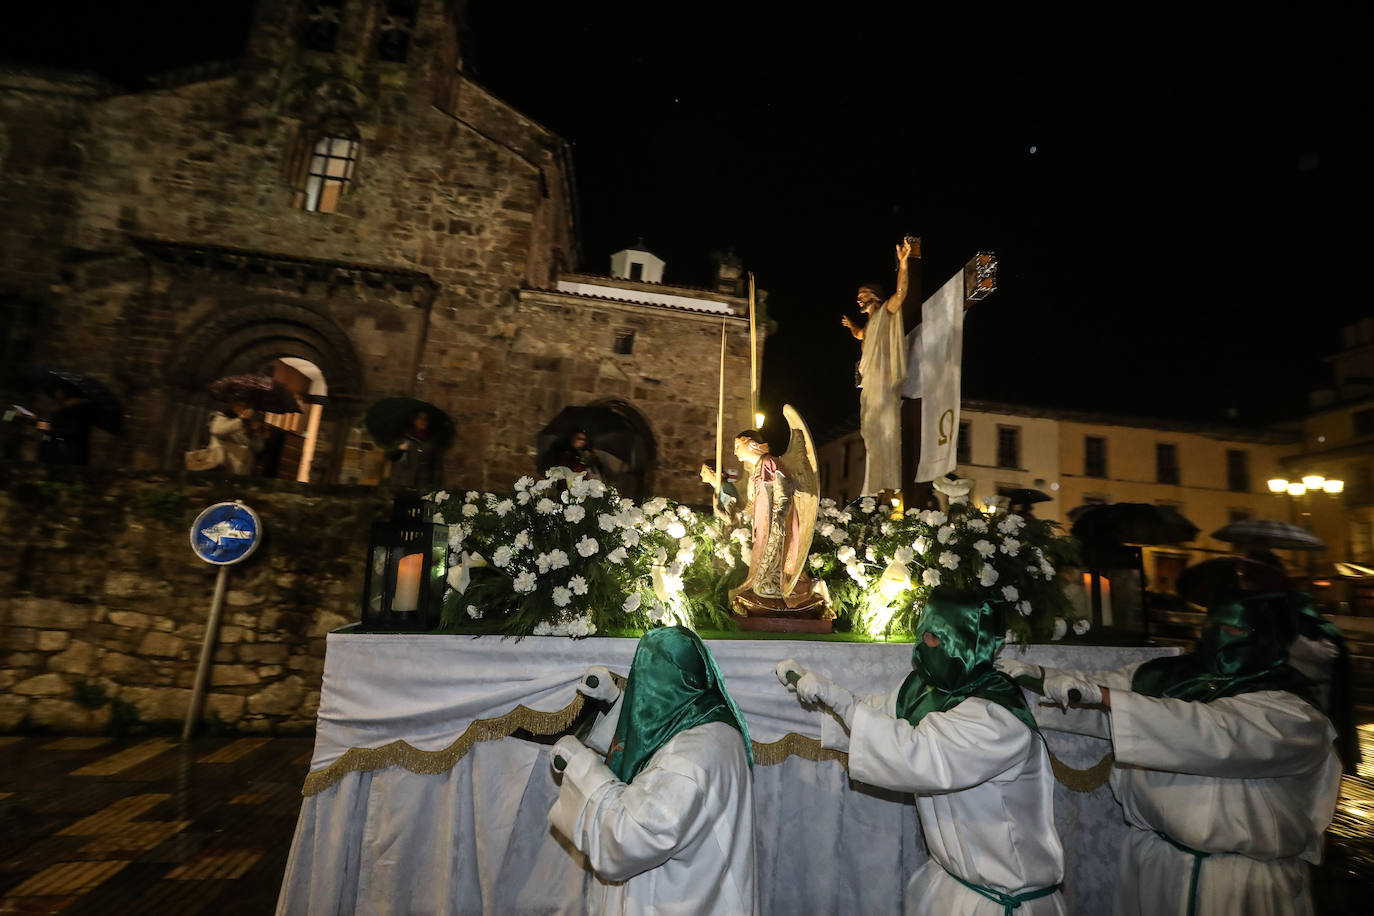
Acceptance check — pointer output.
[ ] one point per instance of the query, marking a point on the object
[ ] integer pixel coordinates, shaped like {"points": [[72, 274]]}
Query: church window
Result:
{"points": [[328, 174], [624, 342], [964, 445], [396, 30], [319, 30]]}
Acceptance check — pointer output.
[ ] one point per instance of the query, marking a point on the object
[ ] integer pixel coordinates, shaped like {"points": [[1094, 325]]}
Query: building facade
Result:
{"points": [[343, 197]]}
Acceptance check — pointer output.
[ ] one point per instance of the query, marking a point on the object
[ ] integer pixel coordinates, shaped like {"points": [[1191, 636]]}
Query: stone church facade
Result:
{"points": [[344, 195]]}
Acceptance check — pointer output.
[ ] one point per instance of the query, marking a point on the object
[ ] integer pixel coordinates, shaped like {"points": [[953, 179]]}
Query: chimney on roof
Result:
{"points": [[637, 263]]}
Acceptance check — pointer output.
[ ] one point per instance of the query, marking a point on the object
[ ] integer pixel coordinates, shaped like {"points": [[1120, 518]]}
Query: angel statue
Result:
{"points": [[783, 499]]}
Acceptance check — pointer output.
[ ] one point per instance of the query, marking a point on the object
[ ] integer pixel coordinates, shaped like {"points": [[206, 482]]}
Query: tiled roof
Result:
{"points": [[704, 310]]}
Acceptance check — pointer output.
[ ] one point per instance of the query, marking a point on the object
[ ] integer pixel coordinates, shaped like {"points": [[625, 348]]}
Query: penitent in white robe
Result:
{"points": [[1252, 779], [679, 839], [985, 793]]}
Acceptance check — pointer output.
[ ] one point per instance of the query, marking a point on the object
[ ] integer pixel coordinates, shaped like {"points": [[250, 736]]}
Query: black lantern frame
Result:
{"points": [[407, 564]]}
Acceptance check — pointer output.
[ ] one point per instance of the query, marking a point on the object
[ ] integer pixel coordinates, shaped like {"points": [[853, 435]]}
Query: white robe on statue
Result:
{"points": [[985, 793], [679, 839], [883, 371], [1252, 779]]}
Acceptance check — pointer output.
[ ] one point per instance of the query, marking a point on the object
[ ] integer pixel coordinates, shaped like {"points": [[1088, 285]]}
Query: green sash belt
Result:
{"points": [[1009, 901], [1198, 855]]}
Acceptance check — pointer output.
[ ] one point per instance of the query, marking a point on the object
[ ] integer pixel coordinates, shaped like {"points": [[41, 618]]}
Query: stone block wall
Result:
{"points": [[103, 605]]}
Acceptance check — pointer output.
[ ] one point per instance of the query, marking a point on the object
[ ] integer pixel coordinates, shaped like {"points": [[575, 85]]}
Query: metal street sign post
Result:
{"points": [[222, 535]]}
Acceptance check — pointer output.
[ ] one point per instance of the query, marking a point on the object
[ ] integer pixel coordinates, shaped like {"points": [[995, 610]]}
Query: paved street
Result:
{"points": [[146, 826]]}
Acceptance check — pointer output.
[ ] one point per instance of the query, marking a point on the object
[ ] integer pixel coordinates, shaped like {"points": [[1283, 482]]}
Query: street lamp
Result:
{"points": [[1310, 483]]}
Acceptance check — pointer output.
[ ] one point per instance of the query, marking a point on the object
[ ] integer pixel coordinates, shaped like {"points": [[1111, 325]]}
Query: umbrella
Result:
{"points": [[1131, 523], [610, 432], [1198, 583], [106, 410], [1271, 534], [260, 392], [1026, 496], [389, 419]]}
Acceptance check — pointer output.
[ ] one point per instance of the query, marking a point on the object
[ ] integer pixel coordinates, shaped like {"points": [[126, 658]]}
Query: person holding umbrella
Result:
{"points": [[235, 440], [415, 456]]}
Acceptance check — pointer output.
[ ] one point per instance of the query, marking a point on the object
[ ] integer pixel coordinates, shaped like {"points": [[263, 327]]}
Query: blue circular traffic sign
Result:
{"points": [[226, 533]]}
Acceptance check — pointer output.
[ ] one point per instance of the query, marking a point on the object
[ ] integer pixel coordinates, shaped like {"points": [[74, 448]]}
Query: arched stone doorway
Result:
{"points": [[304, 349], [619, 434]]}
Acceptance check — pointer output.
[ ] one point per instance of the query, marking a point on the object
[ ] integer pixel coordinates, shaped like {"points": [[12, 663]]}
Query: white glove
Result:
{"points": [[566, 748], [789, 666], [812, 688], [1058, 685], [604, 691], [1015, 669]]}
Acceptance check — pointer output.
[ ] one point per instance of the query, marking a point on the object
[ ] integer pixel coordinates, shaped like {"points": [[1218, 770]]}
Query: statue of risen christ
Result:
{"points": [[882, 369]]}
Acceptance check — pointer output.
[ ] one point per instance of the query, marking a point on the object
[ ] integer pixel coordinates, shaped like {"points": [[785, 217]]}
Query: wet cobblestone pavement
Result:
{"points": [[106, 827], [146, 826]]}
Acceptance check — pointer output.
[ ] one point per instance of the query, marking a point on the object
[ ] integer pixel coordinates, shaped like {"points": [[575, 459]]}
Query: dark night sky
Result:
{"points": [[1188, 235]]}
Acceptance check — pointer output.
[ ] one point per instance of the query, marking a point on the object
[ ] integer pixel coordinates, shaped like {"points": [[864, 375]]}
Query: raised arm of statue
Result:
{"points": [[894, 304]]}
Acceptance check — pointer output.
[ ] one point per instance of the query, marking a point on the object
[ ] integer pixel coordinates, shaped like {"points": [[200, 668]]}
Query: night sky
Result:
{"points": [[1180, 205]]}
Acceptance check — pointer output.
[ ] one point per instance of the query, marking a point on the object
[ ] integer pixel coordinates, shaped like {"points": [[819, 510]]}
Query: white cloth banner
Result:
{"points": [[942, 349], [475, 838]]}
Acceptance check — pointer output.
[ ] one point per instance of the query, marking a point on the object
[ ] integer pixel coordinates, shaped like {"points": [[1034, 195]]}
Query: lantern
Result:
{"points": [[407, 559]]}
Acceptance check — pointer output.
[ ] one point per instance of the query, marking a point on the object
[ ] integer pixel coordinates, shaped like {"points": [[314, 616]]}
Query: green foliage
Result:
{"points": [[165, 506]]}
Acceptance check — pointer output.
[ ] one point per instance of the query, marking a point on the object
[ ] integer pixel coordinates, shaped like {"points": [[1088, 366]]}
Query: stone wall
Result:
{"points": [[103, 604]]}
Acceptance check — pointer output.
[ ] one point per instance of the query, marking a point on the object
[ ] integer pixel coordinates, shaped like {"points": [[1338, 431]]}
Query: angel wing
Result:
{"points": [[801, 461]]}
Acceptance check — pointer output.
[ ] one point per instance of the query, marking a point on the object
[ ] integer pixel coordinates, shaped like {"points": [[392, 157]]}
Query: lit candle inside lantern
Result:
{"points": [[408, 583]]}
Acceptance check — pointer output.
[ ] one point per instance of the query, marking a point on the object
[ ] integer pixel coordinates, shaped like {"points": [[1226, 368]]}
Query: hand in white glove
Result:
{"points": [[789, 666], [1017, 669], [564, 751], [812, 688], [598, 684], [1059, 686]]}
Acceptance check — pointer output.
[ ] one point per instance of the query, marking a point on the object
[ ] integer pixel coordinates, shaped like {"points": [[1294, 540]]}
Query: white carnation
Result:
{"points": [[561, 596], [578, 584], [606, 522], [522, 540], [522, 484], [629, 537], [839, 535], [469, 510], [945, 534], [949, 559], [984, 547], [867, 505], [574, 514], [676, 529], [930, 576], [1024, 607], [503, 508], [546, 506], [502, 556], [473, 612], [845, 554], [617, 556], [1011, 547], [439, 516], [557, 559], [988, 577], [920, 545], [1010, 593], [977, 524], [587, 546], [525, 582], [903, 555]]}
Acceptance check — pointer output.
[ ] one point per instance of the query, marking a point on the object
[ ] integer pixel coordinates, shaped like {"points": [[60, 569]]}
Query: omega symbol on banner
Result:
{"points": [[946, 425]]}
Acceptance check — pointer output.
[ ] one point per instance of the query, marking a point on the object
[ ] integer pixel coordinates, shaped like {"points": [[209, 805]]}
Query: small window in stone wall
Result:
{"points": [[396, 29], [319, 28], [327, 174], [624, 341]]}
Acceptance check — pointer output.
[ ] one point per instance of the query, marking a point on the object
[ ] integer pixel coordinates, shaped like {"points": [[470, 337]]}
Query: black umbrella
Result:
{"points": [[105, 409], [1026, 496], [389, 419], [608, 430], [260, 392], [1130, 523], [1200, 582], [1262, 532]]}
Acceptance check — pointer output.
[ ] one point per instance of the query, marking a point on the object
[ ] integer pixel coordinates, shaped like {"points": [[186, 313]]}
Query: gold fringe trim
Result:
{"points": [[401, 753], [1089, 780], [795, 745], [405, 755]]}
